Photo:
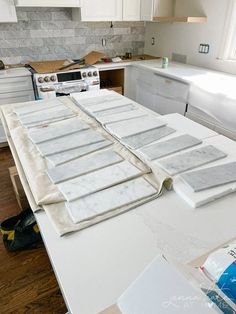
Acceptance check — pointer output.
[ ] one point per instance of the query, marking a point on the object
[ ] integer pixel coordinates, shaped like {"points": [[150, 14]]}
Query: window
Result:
{"points": [[228, 49]]}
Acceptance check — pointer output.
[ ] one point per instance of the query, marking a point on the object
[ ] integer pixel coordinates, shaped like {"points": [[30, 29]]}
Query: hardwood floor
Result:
{"points": [[27, 281]]}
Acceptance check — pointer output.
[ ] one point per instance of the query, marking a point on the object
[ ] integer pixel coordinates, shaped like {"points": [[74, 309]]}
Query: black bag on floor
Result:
{"points": [[20, 232]]}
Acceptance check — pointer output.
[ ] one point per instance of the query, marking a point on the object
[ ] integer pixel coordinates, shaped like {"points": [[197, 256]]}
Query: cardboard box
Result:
{"points": [[18, 189]]}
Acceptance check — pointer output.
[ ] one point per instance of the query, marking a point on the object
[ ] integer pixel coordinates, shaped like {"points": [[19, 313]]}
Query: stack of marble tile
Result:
{"points": [[93, 178], [159, 143], [133, 126]]}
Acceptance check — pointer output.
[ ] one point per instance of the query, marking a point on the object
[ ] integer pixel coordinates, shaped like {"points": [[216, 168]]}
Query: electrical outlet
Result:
{"points": [[153, 41], [204, 48], [104, 42]]}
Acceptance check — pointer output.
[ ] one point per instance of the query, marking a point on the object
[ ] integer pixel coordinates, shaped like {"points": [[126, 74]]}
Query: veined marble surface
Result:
{"points": [[36, 107], [99, 99], [83, 165], [174, 145], [192, 159], [46, 116], [108, 105], [139, 140], [128, 115], [116, 110], [98, 180], [135, 126], [63, 157], [68, 142], [109, 199], [210, 177], [57, 130]]}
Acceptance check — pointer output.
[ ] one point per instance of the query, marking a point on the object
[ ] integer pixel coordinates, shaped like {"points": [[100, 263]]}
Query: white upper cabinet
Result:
{"points": [[131, 10], [7, 11], [99, 10], [48, 3]]}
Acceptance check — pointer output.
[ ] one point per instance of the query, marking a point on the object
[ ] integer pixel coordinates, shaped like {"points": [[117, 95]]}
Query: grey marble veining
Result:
{"points": [[37, 107], [56, 130], [47, 116], [63, 157], [83, 165], [128, 115], [139, 140], [116, 110], [109, 199], [192, 159], [135, 126], [98, 180], [174, 145], [210, 177], [93, 101], [108, 105], [67, 142]]}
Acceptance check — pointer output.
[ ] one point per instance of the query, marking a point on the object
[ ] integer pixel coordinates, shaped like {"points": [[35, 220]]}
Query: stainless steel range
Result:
{"points": [[50, 85]]}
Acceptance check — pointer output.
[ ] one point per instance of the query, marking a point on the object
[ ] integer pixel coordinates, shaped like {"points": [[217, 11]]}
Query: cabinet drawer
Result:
{"points": [[171, 88], [16, 97], [167, 106], [15, 84]]}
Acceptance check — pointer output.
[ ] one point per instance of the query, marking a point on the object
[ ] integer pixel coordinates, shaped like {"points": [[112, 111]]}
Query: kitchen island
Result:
{"points": [[95, 265]]}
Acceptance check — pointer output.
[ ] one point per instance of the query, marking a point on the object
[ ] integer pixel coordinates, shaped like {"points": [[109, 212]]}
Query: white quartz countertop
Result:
{"points": [[14, 72]]}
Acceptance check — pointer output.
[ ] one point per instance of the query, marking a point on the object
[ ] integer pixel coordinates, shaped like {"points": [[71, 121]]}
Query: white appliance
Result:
{"points": [[50, 85]]}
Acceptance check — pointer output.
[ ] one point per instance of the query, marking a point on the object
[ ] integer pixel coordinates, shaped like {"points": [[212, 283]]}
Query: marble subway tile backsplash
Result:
{"points": [[50, 33]]}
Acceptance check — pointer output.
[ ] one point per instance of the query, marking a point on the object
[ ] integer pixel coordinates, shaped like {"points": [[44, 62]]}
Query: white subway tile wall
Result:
{"points": [[50, 33]]}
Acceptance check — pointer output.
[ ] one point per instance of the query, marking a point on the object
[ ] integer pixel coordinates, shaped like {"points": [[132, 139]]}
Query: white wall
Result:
{"points": [[184, 38]]}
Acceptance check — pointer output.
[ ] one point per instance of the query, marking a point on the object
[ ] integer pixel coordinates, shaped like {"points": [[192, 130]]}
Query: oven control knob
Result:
{"points": [[40, 79], [95, 73], [84, 74], [47, 79], [89, 74], [53, 78]]}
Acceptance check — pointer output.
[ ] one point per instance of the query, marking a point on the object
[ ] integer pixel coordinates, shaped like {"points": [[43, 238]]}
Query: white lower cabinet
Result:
{"points": [[158, 93], [165, 105], [7, 11]]}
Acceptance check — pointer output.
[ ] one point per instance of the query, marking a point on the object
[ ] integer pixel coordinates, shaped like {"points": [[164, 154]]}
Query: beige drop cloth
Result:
{"points": [[43, 192]]}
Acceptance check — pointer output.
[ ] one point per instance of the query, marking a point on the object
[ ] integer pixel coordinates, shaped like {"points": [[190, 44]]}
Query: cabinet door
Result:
{"points": [[131, 75], [7, 11], [145, 95], [147, 10], [166, 106], [101, 10], [131, 10]]}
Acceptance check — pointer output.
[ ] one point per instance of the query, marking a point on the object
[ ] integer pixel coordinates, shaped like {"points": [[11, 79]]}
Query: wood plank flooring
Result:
{"points": [[27, 281]]}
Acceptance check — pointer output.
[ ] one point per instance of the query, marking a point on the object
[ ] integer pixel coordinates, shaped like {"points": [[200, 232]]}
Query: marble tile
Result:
{"points": [[116, 110], [56, 130], [108, 105], [139, 140], [192, 159], [37, 107], [135, 126], [122, 116], [83, 165], [47, 116], [63, 157], [169, 147], [67, 142], [98, 180], [210, 177], [99, 100], [109, 199]]}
